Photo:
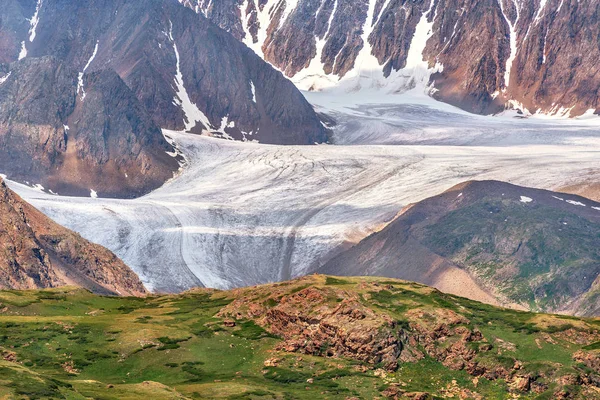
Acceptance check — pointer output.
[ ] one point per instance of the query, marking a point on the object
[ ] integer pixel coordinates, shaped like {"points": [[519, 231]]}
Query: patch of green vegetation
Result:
{"points": [[170, 344], [249, 330], [336, 281], [544, 255]]}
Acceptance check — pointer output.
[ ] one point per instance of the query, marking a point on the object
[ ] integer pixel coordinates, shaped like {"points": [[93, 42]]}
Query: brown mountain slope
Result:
{"points": [[530, 248], [38, 253]]}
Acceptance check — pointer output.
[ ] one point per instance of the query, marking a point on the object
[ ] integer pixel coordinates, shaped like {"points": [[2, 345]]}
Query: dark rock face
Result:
{"points": [[548, 50], [50, 135], [533, 247], [117, 71], [38, 253]]}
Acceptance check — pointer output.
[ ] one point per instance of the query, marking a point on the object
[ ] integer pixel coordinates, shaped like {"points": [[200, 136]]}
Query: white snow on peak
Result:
{"points": [[366, 82], [93, 194], [5, 78], [576, 203], [80, 87], [525, 199], [192, 114], [253, 89], [314, 75]]}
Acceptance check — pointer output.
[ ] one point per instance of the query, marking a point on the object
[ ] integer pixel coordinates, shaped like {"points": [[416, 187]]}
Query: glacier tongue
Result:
{"points": [[245, 213]]}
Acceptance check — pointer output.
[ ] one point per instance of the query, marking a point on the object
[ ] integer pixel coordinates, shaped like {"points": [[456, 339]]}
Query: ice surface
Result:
{"points": [[246, 213]]}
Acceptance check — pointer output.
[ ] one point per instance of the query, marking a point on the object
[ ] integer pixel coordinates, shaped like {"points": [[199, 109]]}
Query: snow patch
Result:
{"points": [[5, 77], [93, 194], [525, 199], [513, 40], [558, 198], [253, 90], [33, 23], [23, 52], [596, 208], [576, 203]]}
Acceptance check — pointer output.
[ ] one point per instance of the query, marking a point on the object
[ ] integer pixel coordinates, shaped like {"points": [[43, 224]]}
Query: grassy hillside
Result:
{"points": [[534, 248], [316, 337]]}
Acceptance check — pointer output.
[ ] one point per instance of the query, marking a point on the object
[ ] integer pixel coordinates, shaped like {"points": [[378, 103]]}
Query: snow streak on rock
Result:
{"points": [[513, 40], [80, 87], [34, 21], [192, 113], [5, 78]]}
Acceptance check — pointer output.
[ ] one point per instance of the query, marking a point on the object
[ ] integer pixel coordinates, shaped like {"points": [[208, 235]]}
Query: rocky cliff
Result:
{"points": [[50, 134], [481, 55], [38, 253]]}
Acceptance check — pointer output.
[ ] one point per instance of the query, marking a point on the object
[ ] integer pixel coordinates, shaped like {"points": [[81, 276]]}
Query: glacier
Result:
{"points": [[246, 213]]}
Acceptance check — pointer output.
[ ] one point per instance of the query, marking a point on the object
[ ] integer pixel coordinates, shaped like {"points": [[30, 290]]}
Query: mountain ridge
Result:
{"points": [[534, 56]]}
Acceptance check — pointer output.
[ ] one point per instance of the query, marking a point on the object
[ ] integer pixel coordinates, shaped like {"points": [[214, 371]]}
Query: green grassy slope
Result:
{"points": [[316, 337]]}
